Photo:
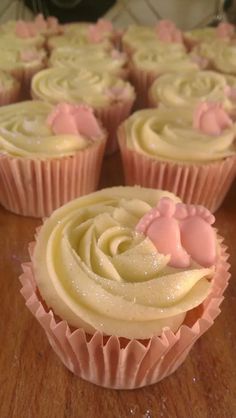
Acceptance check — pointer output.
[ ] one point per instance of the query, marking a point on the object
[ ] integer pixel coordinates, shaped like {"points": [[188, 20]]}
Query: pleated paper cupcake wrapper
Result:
{"points": [[142, 81], [111, 117], [119, 363], [37, 187], [10, 95], [203, 184]]}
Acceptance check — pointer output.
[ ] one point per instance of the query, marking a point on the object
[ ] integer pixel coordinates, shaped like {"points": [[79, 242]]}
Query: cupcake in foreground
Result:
{"points": [[188, 89], [192, 154], [9, 89], [104, 280], [48, 155], [111, 97]]}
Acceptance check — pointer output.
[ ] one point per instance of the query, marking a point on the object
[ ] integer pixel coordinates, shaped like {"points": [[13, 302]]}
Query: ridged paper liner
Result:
{"points": [[201, 184], [37, 187], [142, 81], [120, 363], [111, 117]]}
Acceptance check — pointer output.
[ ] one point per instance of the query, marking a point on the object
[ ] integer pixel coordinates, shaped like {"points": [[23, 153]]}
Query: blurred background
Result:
{"points": [[187, 14]]}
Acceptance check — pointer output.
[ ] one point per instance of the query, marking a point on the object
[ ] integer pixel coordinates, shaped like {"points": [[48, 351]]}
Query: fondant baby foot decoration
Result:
{"points": [[160, 226], [182, 231], [225, 30], [211, 118], [97, 31], [197, 235], [168, 32]]}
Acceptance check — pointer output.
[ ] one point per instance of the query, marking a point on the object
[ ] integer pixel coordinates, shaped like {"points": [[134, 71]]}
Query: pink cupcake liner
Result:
{"points": [[111, 117], [120, 363], [37, 187], [203, 184], [142, 81], [11, 95]]}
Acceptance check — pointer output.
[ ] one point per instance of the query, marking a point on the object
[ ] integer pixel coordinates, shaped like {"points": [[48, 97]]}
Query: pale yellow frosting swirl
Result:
{"points": [[221, 54], [167, 134], [24, 132], [76, 35], [9, 39], [190, 88], [206, 34], [167, 58], [90, 57], [96, 272], [79, 86], [12, 58]]}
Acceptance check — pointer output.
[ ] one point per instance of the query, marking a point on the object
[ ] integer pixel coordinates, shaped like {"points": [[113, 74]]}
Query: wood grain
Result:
{"points": [[34, 384]]}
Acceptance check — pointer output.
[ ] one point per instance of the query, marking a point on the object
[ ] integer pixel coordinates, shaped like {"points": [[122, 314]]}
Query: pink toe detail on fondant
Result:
{"points": [[182, 231], [164, 232], [40, 22], [74, 119], [202, 62], [97, 31], [225, 30], [198, 238], [168, 32], [211, 118], [25, 29]]}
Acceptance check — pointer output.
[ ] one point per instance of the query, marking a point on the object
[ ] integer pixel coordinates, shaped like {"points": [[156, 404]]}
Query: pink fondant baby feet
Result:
{"points": [[211, 118], [182, 231], [168, 32], [225, 30]]}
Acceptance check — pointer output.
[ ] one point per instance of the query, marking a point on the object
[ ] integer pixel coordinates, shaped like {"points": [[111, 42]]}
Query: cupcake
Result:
{"points": [[110, 97], [220, 56], [188, 89], [22, 64], [9, 89], [122, 305], [140, 37], [148, 64], [82, 34], [223, 32], [48, 155], [91, 58], [192, 154], [20, 34]]}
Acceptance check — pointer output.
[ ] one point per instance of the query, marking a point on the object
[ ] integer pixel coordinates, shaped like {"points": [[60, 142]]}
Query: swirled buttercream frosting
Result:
{"points": [[34, 129], [80, 86], [224, 31], [6, 81], [221, 55], [14, 59], [180, 135], [99, 266], [189, 88], [167, 58], [89, 57]]}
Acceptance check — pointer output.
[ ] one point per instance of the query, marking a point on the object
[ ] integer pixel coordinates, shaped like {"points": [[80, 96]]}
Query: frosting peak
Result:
{"points": [[168, 32], [71, 119], [211, 118]]}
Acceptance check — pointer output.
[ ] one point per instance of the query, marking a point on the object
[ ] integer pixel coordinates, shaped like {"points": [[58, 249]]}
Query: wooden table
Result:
{"points": [[34, 384]]}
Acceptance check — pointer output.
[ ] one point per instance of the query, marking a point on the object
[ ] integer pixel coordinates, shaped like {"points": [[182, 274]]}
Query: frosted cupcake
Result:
{"points": [[220, 56], [9, 89], [20, 34], [188, 89], [223, 32], [111, 97], [139, 37], [92, 58], [148, 64], [22, 64], [81, 34], [48, 155], [104, 280], [192, 154]]}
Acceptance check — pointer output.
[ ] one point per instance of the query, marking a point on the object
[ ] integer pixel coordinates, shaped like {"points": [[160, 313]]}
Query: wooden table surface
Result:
{"points": [[34, 384]]}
